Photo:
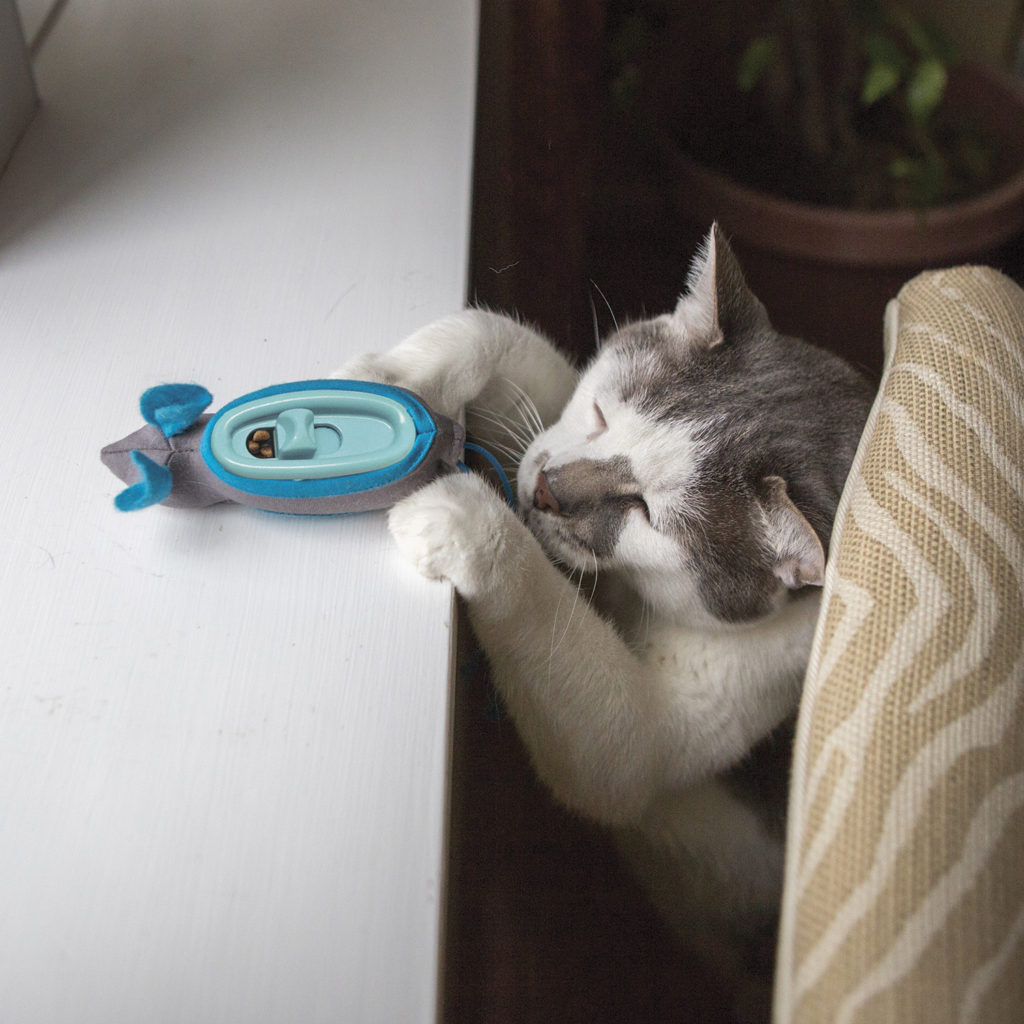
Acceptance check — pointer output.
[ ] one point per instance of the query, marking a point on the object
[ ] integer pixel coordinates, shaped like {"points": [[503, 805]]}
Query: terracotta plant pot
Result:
{"points": [[826, 274]]}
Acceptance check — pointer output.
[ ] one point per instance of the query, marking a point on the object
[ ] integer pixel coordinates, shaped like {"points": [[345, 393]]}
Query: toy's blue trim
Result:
{"points": [[327, 487], [153, 486]]}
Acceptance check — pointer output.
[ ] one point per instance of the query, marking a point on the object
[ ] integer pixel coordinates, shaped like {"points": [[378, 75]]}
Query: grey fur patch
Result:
{"points": [[726, 553], [594, 498]]}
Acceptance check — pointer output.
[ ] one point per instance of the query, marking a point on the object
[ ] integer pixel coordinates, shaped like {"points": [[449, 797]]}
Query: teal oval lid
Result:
{"points": [[312, 434]]}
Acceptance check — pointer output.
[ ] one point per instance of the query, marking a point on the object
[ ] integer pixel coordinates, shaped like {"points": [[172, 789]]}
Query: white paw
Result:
{"points": [[457, 528]]}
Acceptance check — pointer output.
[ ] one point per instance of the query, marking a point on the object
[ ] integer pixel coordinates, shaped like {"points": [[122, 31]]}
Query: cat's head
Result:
{"points": [[702, 455]]}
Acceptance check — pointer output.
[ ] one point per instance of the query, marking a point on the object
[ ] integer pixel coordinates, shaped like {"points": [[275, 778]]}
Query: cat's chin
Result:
{"points": [[559, 546]]}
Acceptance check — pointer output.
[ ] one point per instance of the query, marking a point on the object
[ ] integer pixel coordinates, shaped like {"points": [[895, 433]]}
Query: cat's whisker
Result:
{"points": [[512, 447], [520, 440], [582, 572], [572, 611], [493, 418], [525, 429], [552, 646], [511, 457], [611, 312], [512, 450], [510, 454], [527, 407], [597, 326], [512, 428]]}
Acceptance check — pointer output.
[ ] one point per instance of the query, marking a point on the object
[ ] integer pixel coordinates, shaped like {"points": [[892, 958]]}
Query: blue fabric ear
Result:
{"points": [[174, 407], [153, 488]]}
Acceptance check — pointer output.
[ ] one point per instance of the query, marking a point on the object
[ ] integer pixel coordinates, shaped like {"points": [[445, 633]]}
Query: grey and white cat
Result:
{"points": [[692, 474]]}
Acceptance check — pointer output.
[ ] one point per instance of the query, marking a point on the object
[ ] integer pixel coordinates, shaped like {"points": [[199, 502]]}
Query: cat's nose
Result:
{"points": [[543, 499]]}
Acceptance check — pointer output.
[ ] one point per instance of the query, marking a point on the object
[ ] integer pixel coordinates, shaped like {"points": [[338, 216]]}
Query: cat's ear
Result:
{"points": [[718, 306], [799, 558]]}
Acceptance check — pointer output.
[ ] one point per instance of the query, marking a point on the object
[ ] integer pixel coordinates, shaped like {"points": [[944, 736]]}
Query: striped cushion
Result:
{"points": [[904, 898]]}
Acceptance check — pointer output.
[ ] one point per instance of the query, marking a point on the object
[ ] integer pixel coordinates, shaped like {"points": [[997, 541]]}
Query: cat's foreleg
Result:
{"points": [[474, 357], [574, 689]]}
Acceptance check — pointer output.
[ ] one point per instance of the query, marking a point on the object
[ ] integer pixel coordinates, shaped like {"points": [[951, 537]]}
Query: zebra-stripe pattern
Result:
{"points": [[904, 896]]}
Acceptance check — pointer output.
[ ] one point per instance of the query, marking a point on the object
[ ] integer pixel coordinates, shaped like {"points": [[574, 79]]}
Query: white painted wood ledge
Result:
{"points": [[223, 734]]}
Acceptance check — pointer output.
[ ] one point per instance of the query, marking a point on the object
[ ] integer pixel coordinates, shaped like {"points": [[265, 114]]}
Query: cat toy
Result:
{"points": [[316, 447]]}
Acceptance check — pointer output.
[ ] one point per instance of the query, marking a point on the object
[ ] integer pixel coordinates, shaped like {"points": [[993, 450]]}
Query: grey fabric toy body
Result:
{"points": [[170, 461]]}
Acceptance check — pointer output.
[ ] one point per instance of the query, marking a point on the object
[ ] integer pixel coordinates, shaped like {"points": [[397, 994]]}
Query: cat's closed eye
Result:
{"points": [[600, 423]]}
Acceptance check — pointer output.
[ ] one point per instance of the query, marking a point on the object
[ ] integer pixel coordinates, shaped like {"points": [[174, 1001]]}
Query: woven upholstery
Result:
{"points": [[904, 895]]}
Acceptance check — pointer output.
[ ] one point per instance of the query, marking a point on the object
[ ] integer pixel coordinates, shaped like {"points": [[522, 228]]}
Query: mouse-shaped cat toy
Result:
{"points": [[316, 447]]}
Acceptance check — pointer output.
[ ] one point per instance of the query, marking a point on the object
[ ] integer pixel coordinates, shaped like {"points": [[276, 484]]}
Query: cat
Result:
{"points": [[690, 475]]}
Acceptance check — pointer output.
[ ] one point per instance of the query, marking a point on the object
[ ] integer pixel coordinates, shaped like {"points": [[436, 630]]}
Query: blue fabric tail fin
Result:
{"points": [[174, 407], [153, 488]]}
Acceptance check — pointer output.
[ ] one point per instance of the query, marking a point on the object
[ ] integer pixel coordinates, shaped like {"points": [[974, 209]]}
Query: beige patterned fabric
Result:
{"points": [[904, 898]]}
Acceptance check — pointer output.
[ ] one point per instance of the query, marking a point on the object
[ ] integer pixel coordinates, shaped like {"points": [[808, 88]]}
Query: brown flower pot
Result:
{"points": [[825, 273]]}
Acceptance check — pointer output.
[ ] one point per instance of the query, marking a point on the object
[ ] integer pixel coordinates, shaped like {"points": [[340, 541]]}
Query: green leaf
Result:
{"points": [[879, 80], [926, 88], [755, 61]]}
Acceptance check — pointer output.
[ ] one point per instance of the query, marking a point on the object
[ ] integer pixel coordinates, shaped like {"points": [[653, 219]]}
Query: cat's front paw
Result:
{"points": [[457, 528]]}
